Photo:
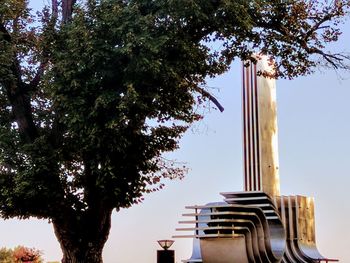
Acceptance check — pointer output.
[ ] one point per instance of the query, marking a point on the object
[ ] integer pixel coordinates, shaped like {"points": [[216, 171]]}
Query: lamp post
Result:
{"points": [[165, 255]]}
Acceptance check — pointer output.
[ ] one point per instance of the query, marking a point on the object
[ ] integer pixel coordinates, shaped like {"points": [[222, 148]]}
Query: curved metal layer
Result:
{"points": [[266, 204], [254, 224], [249, 225], [288, 256], [254, 221], [292, 222], [245, 231], [218, 224], [196, 252], [305, 227], [297, 213], [253, 198], [257, 216], [260, 228]]}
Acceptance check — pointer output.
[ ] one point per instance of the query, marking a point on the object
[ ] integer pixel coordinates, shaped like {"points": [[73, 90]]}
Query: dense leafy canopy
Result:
{"points": [[93, 93]]}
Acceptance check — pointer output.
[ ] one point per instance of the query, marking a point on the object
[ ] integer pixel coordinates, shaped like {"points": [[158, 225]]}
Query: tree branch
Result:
{"points": [[37, 78], [41, 69], [318, 24], [210, 97], [335, 60], [54, 8], [67, 10], [19, 98], [17, 94], [4, 33]]}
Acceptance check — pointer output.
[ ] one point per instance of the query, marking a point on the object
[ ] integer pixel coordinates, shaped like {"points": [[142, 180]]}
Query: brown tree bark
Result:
{"points": [[67, 10], [73, 255], [82, 237]]}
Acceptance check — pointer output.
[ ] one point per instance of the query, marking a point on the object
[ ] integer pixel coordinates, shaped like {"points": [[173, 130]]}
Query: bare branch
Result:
{"points": [[210, 97], [337, 61]]}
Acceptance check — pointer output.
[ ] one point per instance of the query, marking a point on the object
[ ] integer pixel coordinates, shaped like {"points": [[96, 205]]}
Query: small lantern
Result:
{"points": [[165, 244], [165, 255]]}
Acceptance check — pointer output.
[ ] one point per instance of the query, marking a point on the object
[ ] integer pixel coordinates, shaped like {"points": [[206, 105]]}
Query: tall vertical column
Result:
{"points": [[260, 146]]}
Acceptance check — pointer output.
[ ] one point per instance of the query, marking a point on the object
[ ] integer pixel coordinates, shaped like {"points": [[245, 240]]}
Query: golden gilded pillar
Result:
{"points": [[260, 142]]}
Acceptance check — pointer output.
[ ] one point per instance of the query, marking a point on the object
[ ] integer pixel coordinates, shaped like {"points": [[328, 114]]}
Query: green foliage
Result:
{"points": [[117, 88]]}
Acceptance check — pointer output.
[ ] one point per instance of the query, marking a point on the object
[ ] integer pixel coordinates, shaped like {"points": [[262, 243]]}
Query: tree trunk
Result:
{"points": [[74, 255], [82, 237]]}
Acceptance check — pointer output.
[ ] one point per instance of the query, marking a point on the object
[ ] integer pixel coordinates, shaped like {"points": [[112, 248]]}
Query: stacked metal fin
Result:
{"points": [[250, 227], [297, 214], [245, 228]]}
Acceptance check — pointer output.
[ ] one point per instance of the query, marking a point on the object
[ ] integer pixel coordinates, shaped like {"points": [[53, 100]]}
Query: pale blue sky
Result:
{"points": [[314, 152]]}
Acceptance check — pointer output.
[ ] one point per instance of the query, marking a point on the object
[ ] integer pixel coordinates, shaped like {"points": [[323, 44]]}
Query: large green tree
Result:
{"points": [[92, 94]]}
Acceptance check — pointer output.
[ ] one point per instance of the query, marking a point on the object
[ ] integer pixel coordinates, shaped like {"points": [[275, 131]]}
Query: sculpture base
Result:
{"points": [[165, 256], [223, 250], [253, 227]]}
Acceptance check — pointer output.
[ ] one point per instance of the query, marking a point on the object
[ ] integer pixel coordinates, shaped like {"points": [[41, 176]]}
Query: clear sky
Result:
{"points": [[314, 154]]}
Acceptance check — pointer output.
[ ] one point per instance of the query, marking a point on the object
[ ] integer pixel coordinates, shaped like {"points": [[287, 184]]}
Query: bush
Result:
{"points": [[27, 255], [6, 255], [21, 254]]}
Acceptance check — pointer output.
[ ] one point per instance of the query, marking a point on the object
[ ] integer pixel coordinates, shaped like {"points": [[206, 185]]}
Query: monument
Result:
{"points": [[257, 225]]}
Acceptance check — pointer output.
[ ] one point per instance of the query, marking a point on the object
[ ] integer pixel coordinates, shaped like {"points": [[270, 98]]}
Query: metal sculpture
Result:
{"points": [[257, 225], [260, 145]]}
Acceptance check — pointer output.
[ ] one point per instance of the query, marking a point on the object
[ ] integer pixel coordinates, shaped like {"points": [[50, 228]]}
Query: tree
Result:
{"points": [[93, 93]]}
